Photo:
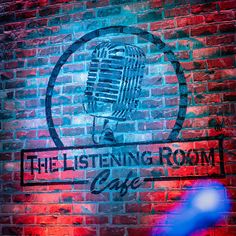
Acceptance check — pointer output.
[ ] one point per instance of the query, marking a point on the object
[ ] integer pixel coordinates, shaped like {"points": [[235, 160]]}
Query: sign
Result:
{"points": [[102, 167], [112, 93]]}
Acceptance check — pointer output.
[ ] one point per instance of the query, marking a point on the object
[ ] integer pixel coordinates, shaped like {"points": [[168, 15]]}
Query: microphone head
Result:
{"points": [[114, 80]]}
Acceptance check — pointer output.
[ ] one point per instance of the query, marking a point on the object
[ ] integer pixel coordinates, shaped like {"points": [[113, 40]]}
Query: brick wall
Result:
{"points": [[34, 34]]}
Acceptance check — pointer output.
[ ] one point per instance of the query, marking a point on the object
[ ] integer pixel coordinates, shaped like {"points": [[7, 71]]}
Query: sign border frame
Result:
{"points": [[220, 139]]}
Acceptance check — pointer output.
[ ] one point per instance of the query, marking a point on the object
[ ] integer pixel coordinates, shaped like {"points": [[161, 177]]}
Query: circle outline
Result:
{"points": [[162, 47]]}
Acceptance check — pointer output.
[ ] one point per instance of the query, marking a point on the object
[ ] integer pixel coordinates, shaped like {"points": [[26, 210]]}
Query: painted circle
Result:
{"points": [[161, 46]]}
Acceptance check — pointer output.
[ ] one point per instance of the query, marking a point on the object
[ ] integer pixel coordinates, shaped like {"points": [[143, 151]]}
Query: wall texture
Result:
{"points": [[34, 34]]}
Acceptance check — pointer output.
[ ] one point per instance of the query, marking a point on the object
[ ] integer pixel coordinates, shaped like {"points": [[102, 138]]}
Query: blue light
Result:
{"points": [[204, 206]]}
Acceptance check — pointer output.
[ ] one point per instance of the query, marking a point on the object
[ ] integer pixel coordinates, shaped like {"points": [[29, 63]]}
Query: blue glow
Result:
{"points": [[204, 206]]}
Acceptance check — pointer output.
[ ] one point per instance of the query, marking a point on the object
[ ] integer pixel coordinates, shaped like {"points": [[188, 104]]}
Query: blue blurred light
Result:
{"points": [[204, 206]]}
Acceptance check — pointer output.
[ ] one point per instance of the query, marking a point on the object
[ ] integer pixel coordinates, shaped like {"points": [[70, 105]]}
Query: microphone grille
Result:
{"points": [[114, 80]]}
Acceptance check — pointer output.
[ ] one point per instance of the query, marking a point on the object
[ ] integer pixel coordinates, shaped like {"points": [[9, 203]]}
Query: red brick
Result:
{"points": [[25, 73], [49, 10], [23, 219], [206, 53], [97, 197], [107, 231], [151, 125], [124, 219], [14, 26], [227, 27], [195, 65], [85, 208], [152, 219], [110, 208], [6, 177], [36, 144], [219, 231], [176, 34], [156, 3], [14, 6], [140, 231], [182, 11], [153, 196], [217, 86], [35, 230], [76, 220], [86, 231], [226, 5], [44, 219], [135, 207], [12, 230], [25, 14], [35, 209], [70, 174], [60, 231], [185, 21], [209, 7], [59, 187], [228, 50], [6, 135], [219, 17], [5, 220], [26, 134], [167, 24], [163, 207], [230, 97], [96, 220], [200, 88], [203, 30], [60, 209], [72, 197], [37, 23], [193, 134], [7, 75], [207, 98], [43, 198], [220, 40], [225, 73], [25, 53], [43, 134], [174, 195], [15, 209], [221, 63], [13, 64]]}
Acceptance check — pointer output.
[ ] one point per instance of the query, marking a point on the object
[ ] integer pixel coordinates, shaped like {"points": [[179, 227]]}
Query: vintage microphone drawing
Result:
{"points": [[113, 85]]}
